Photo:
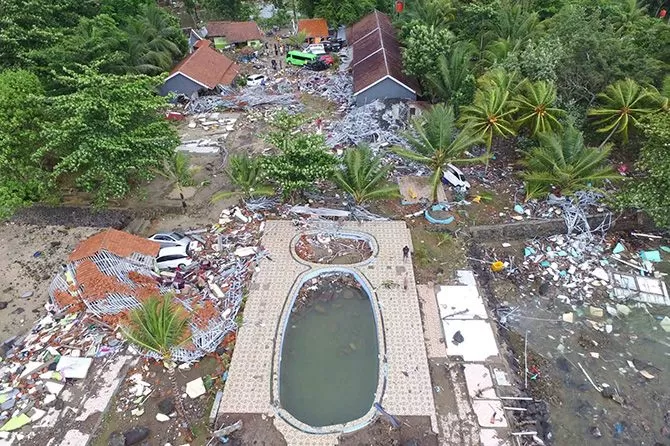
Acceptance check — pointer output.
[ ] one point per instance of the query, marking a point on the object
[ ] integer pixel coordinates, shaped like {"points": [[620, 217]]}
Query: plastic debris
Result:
{"points": [[651, 256]]}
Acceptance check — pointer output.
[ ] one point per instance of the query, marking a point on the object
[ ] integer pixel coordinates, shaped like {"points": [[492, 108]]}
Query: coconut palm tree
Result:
{"points": [[562, 161], [435, 13], [536, 111], [622, 104], [436, 142], [158, 325], [247, 176], [491, 114], [453, 72], [153, 42], [363, 176], [513, 24]]}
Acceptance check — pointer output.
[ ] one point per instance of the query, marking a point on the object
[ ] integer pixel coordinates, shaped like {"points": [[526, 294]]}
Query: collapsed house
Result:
{"points": [[113, 272], [204, 69], [377, 61]]}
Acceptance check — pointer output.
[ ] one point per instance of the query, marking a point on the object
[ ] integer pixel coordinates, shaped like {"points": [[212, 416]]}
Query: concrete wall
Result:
{"points": [[386, 89], [180, 85], [545, 228]]}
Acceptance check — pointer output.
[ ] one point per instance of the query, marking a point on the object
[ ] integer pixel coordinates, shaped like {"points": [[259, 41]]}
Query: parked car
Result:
{"points": [[315, 48], [317, 65], [255, 79], [173, 257], [327, 59], [454, 177], [167, 239]]}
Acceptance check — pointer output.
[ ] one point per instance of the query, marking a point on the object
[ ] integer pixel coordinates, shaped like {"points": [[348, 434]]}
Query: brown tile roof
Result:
{"points": [[313, 27], [208, 67], [234, 32], [96, 285], [120, 243], [376, 53]]}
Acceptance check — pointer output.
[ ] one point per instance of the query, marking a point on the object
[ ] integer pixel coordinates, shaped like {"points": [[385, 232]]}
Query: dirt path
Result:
{"points": [[29, 258]]}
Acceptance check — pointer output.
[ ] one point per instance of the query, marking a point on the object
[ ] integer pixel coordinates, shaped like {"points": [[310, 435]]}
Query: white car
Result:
{"points": [[316, 48], [173, 257], [255, 80], [454, 177], [170, 239]]}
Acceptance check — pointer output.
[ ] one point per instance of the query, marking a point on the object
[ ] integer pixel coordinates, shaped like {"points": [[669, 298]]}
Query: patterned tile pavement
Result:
{"points": [[408, 387]]}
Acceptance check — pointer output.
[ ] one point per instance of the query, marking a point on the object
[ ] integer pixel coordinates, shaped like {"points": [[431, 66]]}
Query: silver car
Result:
{"points": [[167, 239]]}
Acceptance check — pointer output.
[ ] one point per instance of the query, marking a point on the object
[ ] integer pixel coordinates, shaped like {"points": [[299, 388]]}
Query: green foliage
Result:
{"points": [[240, 10], [651, 191], [565, 163], [421, 48], [21, 108], [297, 40], [491, 114], [108, 134], [177, 169], [337, 12], [432, 13], [247, 176], [539, 61], [363, 176], [453, 81], [158, 325], [536, 109], [302, 161], [436, 142], [622, 104]]}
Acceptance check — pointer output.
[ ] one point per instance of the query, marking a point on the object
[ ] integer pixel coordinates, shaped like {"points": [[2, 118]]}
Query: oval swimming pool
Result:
{"points": [[329, 366]]}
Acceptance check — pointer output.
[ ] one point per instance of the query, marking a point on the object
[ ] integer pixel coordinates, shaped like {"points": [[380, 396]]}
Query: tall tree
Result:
{"points": [[436, 142], [22, 103], [453, 81], [420, 47], [364, 177], [621, 106], [562, 163], [434, 13], [108, 134], [536, 104]]}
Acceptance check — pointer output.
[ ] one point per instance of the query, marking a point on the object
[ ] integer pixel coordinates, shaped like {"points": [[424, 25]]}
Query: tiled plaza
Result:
{"points": [[408, 389]]}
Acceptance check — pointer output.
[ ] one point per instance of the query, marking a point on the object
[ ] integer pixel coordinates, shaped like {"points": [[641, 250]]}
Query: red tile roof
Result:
{"points": [[207, 67], [313, 27], [376, 53], [234, 32], [120, 243]]}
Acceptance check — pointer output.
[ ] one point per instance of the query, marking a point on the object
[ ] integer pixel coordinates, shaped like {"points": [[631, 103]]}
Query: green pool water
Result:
{"points": [[329, 365]]}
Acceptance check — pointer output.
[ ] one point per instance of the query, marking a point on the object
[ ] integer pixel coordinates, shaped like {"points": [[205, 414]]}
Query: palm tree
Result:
{"points": [[500, 79], [490, 114], [152, 42], [158, 325], [436, 143], [563, 162], [363, 176], [623, 103], [246, 174], [630, 13], [662, 96], [513, 24], [178, 170], [536, 111], [452, 72], [297, 40], [433, 13]]}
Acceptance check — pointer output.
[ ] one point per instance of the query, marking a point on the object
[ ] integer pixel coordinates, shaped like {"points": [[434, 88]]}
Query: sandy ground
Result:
{"points": [[22, 270]]}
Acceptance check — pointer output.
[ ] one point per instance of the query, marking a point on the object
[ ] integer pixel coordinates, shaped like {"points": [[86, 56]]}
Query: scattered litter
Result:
{"points": [[74, 367]]}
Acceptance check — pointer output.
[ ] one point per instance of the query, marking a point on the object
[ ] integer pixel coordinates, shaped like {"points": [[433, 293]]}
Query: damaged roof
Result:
{"points": [[207, 67], [120, 243], [234, 32], [313, 27], [376, 54]]}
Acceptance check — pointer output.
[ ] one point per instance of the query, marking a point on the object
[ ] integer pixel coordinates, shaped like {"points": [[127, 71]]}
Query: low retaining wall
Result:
{"points": [[544, 228]]}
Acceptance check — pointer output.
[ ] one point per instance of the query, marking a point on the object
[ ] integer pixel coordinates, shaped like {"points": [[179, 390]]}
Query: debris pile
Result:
{"points": [[336, 87], [332, 248], [35, 369], [326, 287], [244, 99], [113, 272]]}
